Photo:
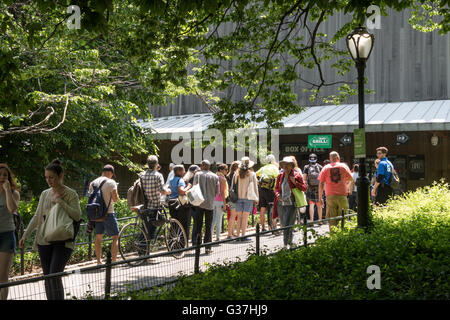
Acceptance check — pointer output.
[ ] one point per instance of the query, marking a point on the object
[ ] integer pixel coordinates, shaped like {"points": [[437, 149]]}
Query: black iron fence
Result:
{"points": [[161, 268], [89, 243], [90, 240]]}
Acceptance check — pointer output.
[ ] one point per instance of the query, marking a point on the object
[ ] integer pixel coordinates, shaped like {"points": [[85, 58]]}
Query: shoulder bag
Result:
{"points": [[233, 191], [251, 194], [58, 226]]}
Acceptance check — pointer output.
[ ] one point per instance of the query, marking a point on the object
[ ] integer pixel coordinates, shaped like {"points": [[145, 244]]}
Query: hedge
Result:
{"points": [[409, 242]]}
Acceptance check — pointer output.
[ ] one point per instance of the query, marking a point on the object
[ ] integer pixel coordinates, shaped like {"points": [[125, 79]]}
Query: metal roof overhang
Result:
{"points": [[382, 117]]}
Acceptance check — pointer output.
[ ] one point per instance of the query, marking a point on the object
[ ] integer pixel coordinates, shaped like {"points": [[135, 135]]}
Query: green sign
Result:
{"points": [[359, 139], [321, 141]]}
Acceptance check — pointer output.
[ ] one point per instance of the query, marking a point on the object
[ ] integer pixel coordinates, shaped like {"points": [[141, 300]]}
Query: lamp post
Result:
{"points": [[360, 44]]}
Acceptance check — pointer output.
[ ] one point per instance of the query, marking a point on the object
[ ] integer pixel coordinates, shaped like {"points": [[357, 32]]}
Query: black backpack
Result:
{"points": [[96, 209], [313, 175]]}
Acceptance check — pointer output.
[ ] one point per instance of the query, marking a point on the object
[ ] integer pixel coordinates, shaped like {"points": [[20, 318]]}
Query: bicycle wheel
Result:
{"points": [[133, 243], [175, 237]]}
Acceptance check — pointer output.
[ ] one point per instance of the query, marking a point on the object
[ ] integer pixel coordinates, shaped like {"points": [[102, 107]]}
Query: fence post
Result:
{"points": [[108, 274], [342, 222], [197, 254], [223, 223], [90, 247], [22, 250], [257, 239], [253, 217], [22, 262], [305, 230]]}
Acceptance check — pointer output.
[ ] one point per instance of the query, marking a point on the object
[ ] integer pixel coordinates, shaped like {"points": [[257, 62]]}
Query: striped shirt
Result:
{"points": [[153, 184]]}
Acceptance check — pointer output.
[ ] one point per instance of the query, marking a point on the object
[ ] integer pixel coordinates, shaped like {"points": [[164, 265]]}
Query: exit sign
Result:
{"points": [[319, 141]]}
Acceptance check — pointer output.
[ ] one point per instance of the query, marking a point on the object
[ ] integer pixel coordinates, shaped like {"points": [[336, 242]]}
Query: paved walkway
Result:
{"points": [[155, 272]]}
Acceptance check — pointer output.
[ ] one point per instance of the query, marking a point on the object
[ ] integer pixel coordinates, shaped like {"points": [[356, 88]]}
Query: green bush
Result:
{"points": [[410, 242], [27, 210]]}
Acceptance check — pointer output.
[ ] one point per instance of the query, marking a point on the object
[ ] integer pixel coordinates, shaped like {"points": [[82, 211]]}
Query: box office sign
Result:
{"points": [[298, 148], [322, 141]]}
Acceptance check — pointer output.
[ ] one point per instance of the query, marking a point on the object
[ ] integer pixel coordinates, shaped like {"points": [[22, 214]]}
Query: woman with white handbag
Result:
{"points": [[248, 196], [58, 208]]}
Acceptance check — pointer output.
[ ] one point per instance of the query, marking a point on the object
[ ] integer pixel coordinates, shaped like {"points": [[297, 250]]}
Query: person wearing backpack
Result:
{"points": [[267, 176], [311, 174], [57, 201], [109, 224], [382, 190], [335, 178], [9, 202]]}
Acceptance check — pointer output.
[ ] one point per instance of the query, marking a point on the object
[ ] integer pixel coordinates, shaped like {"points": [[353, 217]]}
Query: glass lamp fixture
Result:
{"points": [[360, 44]]}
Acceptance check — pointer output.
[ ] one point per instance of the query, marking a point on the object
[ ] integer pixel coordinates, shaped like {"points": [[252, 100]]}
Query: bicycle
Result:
{"points": [[134, 242]]}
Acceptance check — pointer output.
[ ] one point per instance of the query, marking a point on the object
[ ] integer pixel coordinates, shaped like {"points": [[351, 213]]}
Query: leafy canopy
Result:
{"points": [[77, 94]]}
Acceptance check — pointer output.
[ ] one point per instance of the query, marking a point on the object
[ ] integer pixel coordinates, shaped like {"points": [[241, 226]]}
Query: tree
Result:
{"points": [[67, 95], [77, 94]]}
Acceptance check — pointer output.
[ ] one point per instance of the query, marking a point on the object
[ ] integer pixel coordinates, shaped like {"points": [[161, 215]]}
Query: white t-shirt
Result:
{"points": [[108, 187]]}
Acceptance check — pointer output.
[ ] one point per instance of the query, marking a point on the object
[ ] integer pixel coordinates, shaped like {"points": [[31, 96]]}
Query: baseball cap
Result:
{"points": [[194, 167]]}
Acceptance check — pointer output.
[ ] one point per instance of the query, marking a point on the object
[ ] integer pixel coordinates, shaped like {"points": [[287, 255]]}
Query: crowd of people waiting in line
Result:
{"points": [[271, 187]]}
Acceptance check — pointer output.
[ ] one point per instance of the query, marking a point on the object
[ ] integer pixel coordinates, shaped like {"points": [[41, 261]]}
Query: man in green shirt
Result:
{"points": [[267, 176]]}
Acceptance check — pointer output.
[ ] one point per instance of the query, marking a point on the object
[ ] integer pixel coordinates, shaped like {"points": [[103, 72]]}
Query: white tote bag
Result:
{"points": [[251, 194], [58, 226], [195, 195]]}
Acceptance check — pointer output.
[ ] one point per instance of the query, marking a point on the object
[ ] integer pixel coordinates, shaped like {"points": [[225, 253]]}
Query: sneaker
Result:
{"points": [[208, 251], [246, 239]]}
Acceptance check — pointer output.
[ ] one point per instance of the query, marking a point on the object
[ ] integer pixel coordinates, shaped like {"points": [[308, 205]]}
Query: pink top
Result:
{"points": [[335, 176], [219, 196]]}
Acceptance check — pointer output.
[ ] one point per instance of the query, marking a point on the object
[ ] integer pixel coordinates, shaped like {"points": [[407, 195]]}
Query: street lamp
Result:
{"points": [[360, 44]]}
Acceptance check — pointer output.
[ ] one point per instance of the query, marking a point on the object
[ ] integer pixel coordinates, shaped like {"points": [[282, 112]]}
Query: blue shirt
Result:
{"points": [[384, 169], [174, 184]]}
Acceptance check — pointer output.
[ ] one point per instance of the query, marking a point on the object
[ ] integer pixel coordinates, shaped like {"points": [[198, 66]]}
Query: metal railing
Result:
{"points": [[97, 282], [88, 243]]}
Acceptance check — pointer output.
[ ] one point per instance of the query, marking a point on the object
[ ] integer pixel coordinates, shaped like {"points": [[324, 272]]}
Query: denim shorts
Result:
{"points": [[244, 205], [8, 242], [109, 225]]}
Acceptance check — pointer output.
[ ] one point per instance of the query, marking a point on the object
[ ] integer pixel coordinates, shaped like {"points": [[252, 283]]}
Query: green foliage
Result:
{"points": [[410, 242], [130, 54], [69, 95]]}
